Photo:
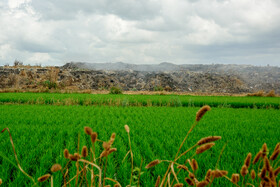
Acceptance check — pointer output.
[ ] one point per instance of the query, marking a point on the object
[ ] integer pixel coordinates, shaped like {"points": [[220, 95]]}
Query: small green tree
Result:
{"points": [[115, 90], [50, 84]]}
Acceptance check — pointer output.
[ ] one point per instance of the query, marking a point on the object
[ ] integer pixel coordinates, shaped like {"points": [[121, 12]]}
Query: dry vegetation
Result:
{"points": [[262, 170], [27, 80], [261, 93]]}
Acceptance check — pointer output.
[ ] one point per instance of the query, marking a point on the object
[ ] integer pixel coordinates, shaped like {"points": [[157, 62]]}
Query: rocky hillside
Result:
{"points": [[165, 76]]}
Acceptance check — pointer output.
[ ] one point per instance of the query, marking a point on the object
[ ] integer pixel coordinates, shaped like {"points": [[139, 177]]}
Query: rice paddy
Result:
{"points": [[139, 100], [42, 130]]}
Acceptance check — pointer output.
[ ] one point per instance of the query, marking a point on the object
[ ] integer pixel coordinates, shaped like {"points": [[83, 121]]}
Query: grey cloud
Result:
{"points": [[125, 9], [33, 47]]}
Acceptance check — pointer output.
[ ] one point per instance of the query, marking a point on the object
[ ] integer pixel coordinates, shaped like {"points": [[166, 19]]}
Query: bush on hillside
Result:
{"points": [[115, 90]]}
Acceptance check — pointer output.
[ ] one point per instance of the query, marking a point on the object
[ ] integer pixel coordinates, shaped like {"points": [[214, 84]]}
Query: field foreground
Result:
{"points": [[41, 132]]}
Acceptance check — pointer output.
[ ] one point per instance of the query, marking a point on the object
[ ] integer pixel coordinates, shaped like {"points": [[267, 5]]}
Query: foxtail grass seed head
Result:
{"points": [[44, 178], [104, 153], [195, 181], [126, 127], [112, 150], [4, 130], [189, 161], [74, 157], [201, 112], [275, 154], [179, 185], [235, 178], [93, 137], [208, 175], [263, 172], [204, 147], [1, 181], [219, 173], [267, 164], [112, 139], [113, 136], [208, 139], [248, 160], [183, 167], [157, 182], [257, 157], [276, 171], [88, 130], [244, 170], [55, 168], [194, 165], [253, 174], [191, 164], [202, 184], [267, 180], [189, 181], [84, 151], [106, 146], [66, 153], [264, 150], [271, 173], [191, 175], [152, 164], [117, 185], [277, 146], [77, 155]]}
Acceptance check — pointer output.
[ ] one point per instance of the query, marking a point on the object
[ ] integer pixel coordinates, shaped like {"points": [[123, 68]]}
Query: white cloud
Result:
{"points": [[38, 58], [205, 32], [17, 3], [152, 31]]}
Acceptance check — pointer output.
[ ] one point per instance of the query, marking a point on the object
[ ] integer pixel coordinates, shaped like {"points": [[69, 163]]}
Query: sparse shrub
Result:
{"points": [[168, 89], [271, 94], [50, 84], [158, 88], [17, 63], [115, 90], [257, 94], [52, 74], [261, 93]]}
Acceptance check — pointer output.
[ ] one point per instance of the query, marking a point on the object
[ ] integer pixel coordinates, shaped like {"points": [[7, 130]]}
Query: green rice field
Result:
{"points": [[139, 100], [43, 125]]}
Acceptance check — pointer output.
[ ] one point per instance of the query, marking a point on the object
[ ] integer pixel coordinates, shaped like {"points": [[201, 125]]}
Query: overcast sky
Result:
{"points": [[53, 32]]}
